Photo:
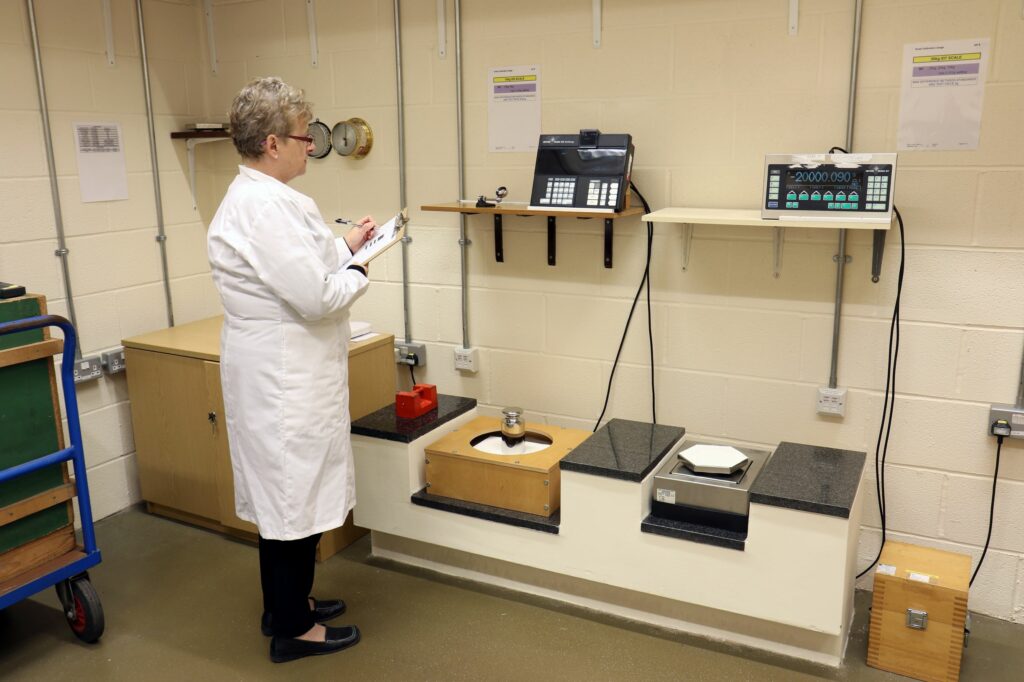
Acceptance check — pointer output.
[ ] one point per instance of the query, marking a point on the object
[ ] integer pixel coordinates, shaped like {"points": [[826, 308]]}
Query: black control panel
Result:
{"points": [[588, 171]]}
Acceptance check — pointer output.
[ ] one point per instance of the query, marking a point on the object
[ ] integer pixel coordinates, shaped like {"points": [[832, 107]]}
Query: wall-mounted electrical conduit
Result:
{"points": [[161, 236], [58, 217], [406, 240]]}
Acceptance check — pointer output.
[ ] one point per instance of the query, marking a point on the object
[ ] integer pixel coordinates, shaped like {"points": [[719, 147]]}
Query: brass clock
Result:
{"points": [[353, 137]]}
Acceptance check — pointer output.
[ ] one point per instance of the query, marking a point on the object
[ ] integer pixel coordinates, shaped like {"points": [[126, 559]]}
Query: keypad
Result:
{"points": [[559, 192], [602, 194], [878, 192]]}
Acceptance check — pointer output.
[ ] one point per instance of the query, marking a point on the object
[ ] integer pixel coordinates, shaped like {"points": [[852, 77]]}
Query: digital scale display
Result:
{"points": [[831, 185]]}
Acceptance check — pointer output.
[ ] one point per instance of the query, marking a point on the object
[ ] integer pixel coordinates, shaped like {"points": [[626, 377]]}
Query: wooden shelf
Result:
{"points": [[200, 134], [741, 217], [523, 210]]}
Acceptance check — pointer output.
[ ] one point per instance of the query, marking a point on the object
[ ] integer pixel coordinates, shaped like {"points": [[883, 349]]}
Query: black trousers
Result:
{"points": [[286, 574]]}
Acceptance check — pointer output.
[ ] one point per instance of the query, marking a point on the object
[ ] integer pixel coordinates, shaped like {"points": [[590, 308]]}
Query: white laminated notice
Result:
{"points": [[665, 495], [886, 569], [919, 577]]}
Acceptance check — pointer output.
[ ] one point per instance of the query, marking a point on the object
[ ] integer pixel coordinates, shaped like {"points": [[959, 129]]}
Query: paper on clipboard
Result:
{"points": [[385, 236]]}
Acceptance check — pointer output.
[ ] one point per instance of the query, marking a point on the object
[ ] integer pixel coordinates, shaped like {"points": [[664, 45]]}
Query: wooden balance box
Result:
{"points": [[529, 483], [918, 612]]}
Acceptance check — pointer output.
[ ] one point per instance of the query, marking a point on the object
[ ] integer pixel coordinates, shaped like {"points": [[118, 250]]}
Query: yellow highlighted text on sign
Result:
{"points": [[966, 57], [514, 79]]}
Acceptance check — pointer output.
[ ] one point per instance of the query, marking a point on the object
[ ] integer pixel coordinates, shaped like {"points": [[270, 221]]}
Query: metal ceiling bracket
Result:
{"points": [[311, 20], [442, 30], [108, 27], [210, 40], [794, 17]]}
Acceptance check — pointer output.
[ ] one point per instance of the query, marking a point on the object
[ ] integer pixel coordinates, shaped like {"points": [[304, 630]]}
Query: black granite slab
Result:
{"points": [[684, 530], [384, 423], [810, 478], [545, 524], [623, 449]]}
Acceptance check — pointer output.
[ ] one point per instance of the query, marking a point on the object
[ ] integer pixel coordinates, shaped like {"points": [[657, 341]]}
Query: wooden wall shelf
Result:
{"points": [[523, 210]]}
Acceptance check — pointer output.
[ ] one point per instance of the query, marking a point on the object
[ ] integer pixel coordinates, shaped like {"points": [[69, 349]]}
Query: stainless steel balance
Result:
{"points": [[708, 484]]}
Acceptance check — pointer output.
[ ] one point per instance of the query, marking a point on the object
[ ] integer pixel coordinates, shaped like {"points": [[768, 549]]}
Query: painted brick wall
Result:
{"points": [[706, 87], [114, 258]]}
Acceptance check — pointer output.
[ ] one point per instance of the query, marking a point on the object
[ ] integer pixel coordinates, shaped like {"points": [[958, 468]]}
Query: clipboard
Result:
{"points": [[386, 236]]}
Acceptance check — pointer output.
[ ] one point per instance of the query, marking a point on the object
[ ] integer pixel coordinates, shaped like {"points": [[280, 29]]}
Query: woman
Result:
{"points": [[286, 285]]}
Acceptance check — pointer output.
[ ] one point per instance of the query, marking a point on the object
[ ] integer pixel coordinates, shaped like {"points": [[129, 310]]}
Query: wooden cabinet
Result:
{"points": [[181, 439]]}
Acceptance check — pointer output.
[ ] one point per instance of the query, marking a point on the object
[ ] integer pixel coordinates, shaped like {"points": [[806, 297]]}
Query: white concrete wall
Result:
{"points": [[706, 88]]}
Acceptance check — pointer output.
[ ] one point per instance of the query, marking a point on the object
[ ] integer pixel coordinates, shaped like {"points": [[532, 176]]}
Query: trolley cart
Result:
{"points": [[67, 573]]}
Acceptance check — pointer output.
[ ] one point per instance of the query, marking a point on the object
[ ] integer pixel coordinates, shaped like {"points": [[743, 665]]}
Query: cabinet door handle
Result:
{"points": [[212, 418]]}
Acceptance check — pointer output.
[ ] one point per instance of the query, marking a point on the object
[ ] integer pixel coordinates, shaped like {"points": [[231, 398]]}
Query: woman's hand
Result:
{"points": [[359, 234]]}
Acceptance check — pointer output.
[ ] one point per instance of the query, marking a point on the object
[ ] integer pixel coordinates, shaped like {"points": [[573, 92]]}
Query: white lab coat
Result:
{"points": [[286, 292]]}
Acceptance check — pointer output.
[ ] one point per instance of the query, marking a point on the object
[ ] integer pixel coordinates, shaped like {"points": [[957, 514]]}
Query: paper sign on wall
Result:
{"points": [[942, 88], [513, 109], [102, 175]]}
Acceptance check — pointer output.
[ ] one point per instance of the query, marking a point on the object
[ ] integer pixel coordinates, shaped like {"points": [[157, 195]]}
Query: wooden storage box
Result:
{"points": [[526, 483], [918, 612]]}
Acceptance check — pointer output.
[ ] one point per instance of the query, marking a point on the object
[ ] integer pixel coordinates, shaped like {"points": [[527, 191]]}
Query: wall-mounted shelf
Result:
{"points": [[688, 217], [522, 209], [192, 138]]}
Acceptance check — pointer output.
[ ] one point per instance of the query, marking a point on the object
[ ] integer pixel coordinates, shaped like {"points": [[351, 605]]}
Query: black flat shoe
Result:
{"points": [[325, 610], [283, 649]]}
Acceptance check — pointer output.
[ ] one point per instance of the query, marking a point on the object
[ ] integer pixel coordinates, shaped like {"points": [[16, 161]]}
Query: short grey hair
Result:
{"points": [[265, 106]]}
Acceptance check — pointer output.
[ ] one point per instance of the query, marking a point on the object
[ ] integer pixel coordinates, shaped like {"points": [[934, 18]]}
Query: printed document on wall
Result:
{"points": [[513, 109], [102, 175], [942, 87]]}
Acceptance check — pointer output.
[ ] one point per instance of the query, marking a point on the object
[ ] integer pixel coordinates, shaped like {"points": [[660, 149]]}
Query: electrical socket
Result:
{"points": [[1014, 416], [113, 361], [410, 353], [832, 401], [466, 359], [87, 369]]}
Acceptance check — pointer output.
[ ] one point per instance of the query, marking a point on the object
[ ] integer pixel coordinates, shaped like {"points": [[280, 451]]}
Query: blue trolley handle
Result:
{"points": [[75, 453]]}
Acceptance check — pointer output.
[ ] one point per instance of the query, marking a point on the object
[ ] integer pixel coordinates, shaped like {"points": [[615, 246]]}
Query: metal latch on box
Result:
{"points": [[917, 619]]}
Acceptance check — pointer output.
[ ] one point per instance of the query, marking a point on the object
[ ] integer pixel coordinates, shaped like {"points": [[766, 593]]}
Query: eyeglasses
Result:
{"points": [[302, 138]]}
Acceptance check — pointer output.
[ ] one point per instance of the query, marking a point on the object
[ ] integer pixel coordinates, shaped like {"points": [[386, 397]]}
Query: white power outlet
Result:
{"points": [[466, 359], [832, 401]]}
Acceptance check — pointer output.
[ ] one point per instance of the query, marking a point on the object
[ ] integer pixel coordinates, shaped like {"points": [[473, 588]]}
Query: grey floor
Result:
{"points": [[183, 603]]}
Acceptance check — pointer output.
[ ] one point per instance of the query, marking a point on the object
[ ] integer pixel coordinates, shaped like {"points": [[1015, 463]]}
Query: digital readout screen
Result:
{"points": [[828, 188]]}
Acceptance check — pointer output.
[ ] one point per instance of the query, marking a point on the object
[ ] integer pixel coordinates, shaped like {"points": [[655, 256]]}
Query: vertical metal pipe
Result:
{"points": [[833, 379], [401, 169], [463, 241], [58, 217], [161, 236], [1020, 386]]}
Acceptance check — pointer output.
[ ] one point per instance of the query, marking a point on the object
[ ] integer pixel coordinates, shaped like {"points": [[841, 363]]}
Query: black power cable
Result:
{"points": [[412, 373], [991, 512], [889, 396], [645, 280]]}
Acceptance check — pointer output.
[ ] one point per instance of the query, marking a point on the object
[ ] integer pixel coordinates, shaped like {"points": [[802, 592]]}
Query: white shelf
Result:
{"points": [[743, 217]]}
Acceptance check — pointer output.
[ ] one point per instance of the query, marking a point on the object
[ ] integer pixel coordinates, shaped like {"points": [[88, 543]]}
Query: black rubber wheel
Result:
{"points": [[87, 622]]}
